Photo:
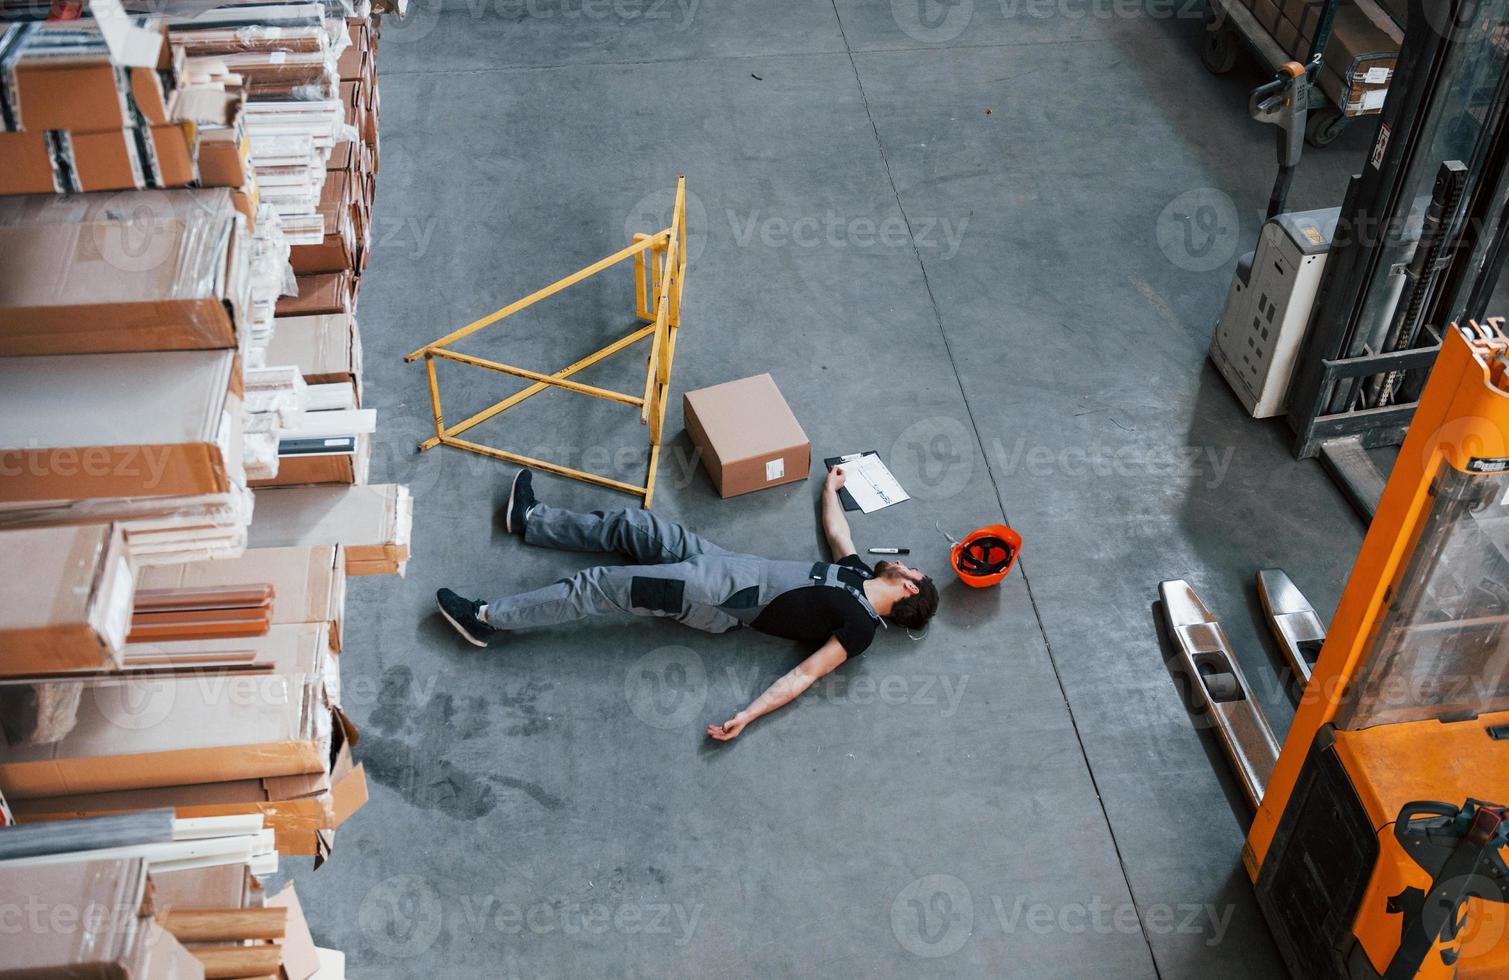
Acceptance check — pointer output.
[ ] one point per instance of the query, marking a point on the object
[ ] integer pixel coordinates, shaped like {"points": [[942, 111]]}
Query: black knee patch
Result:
{"points": [[743, 599], [662, 595]]}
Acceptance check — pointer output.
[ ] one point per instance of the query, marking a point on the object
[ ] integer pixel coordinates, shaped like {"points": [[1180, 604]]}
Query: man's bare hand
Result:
{"points": [[728, 730], [835, 480]]}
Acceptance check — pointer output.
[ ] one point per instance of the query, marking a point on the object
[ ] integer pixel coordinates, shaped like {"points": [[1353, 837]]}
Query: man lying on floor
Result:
{"points": [[682, 576]]}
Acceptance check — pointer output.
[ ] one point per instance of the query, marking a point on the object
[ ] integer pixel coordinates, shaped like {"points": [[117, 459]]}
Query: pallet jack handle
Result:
{"points": [[1285, 102], [1459, 847]]}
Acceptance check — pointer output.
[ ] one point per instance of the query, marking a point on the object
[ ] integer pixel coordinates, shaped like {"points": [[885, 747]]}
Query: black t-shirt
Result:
{"points": [[816, 612]]}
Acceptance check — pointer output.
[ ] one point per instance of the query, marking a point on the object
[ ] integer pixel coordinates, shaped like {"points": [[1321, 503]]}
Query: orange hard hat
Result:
{"points": [[986, 555]]}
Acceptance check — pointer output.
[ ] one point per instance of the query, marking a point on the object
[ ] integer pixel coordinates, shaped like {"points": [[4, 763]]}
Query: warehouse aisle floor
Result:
{"points": [[986, 239]]}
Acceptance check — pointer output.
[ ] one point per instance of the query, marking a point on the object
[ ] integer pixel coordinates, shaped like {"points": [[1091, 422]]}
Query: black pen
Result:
{"points": [[890, 551]]}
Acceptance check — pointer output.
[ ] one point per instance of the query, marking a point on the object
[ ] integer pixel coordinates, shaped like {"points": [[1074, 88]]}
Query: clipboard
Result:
{"points": [[844, 497]]}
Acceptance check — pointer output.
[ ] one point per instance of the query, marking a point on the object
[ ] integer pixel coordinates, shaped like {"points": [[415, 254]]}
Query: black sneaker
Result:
{"points": [[520, 500], [462, 614]]}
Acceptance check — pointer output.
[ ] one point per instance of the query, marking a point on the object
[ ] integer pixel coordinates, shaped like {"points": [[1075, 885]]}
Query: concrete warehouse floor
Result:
{"points": [[993, 249]]}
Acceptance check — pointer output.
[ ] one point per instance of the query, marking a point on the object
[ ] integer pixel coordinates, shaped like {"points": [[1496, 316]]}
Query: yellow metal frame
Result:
{"points": [[658, 278]]}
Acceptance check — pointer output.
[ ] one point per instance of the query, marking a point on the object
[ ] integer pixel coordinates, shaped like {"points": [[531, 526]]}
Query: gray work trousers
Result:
{"points": [[675, 574]]}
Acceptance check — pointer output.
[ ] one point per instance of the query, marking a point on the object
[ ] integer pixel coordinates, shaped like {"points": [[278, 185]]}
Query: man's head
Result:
{"points": [[912, 596]]}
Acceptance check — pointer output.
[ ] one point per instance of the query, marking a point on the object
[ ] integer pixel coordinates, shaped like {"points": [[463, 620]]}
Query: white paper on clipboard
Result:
{"points": [[871, 484]]}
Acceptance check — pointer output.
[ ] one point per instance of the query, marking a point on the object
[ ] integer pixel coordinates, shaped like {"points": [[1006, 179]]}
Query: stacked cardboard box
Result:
{"points": [[70, 121], [183, 463], [86, 571], [1359, 58], [119, 938], [183, 904], [285, 57]]}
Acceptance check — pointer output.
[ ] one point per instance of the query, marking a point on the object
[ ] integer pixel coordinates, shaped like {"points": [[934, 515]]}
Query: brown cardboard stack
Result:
{"points": [[152, 372], [210, 728], [239, 725], [72, 607], [1359, 58], [350, 180], [370, 522], [72, 122], [286, 57], [149, 911], [103, 274], [207, 711], [303, 811], [97, 921], [308, 582], [148, 440]]}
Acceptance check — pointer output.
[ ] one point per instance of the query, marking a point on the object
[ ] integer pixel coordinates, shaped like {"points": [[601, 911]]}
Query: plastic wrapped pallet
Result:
{"points": [[326, 348], [78, 125], [303, 811], [158, 530], [72, 607], [116, 939], [119, 425], [102, 273], [203, 724], [371, 523], [309, 581]]}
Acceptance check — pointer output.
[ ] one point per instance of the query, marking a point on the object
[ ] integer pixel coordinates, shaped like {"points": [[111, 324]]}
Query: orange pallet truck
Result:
{"points": [[1378, 850]]}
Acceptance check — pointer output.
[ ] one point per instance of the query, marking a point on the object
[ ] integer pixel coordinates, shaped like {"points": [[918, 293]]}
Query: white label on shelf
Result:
{"points": [[1377, 75], [775, 469]]}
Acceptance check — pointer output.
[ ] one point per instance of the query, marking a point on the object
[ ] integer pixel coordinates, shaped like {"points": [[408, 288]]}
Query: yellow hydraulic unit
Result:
{"points": [[1380, 840], [659, 275]]}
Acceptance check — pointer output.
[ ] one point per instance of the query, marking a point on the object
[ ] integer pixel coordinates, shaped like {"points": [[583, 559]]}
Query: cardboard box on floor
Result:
{"points": [[67, 605], [747, 436]]}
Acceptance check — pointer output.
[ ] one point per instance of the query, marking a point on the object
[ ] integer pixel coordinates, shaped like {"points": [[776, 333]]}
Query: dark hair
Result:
{"points": [[914, 611]]}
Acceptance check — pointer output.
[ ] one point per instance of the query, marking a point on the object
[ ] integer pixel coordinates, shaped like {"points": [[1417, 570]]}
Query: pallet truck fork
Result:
{"points": [[1220, 688], [1295, 625]]}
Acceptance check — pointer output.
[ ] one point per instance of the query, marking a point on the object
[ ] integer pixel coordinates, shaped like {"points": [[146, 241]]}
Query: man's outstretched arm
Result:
{"points": [[794, 682], [835, 524]]}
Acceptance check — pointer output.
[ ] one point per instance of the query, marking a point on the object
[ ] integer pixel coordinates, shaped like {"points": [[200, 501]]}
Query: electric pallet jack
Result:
{"points": [[1380, 834]]}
